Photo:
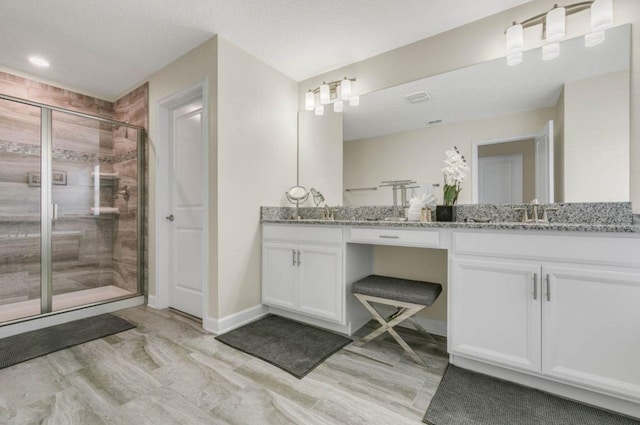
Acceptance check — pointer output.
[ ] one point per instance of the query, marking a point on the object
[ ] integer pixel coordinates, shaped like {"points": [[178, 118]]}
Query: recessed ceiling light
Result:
{"points": [[37, 61]]}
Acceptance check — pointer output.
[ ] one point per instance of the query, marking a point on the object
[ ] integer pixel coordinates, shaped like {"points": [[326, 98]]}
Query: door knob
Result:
{"points": [[169, 217]]}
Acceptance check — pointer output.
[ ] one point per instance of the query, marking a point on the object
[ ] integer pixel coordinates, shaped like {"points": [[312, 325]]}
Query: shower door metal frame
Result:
{"points": [[47, 207]]}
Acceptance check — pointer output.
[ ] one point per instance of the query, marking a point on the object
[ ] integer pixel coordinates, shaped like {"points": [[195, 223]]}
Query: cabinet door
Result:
{"points": [[279, 273], [495, 312], [591, 329], [320, 282]]}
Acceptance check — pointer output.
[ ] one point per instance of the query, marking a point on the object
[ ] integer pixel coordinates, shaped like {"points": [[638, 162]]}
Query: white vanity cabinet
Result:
{"points": [[497, 312], [302, 276], [568, 317], [591, 328]]}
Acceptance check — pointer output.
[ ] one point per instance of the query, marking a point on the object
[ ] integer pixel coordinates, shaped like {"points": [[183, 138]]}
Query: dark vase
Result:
{"points": [[445, 213]]}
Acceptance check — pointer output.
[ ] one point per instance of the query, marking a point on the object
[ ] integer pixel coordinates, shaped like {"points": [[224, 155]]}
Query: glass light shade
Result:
{"points": [[594, 38], [515, 58], [354, 101], [325, 94], [515, 39], [550, 51], [556, 24], [601, 15], [309, 101], [319, 110], [345, 89], [338, 106]]}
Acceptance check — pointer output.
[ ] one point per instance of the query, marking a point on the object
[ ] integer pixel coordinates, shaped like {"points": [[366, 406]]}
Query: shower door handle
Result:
{"points": [[54, 216]]}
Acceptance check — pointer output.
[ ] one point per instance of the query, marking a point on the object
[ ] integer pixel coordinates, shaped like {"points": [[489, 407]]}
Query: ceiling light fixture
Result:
{"points": [[554, 28], [417, 97], [337, 92], [38, 61]]}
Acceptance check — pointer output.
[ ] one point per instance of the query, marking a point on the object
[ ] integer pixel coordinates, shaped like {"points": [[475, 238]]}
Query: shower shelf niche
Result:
{"points": [[105, 210], [106, 176]]}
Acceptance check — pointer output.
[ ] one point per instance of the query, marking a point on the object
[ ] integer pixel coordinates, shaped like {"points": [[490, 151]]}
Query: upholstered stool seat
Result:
{"points": [[408, 296]]}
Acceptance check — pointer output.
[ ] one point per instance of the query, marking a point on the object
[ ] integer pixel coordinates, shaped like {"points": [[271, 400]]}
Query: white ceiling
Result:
{"points": [[488, 89], [106, 47]]}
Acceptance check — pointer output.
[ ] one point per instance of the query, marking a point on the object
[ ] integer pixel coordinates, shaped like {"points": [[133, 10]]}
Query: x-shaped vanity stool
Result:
{"points": [[408, 296]]}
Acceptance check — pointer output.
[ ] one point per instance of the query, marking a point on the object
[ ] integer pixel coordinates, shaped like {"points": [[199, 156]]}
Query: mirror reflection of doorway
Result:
{"points": [[500, 179], [516, 170]]}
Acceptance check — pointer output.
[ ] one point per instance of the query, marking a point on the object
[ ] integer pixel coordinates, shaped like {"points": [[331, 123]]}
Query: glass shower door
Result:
{"points": [[20, 210], [85, 211]]}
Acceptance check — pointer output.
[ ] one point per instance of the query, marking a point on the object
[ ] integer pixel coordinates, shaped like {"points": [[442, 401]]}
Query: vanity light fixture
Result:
{"points": [[554, 28], [337, 92]]}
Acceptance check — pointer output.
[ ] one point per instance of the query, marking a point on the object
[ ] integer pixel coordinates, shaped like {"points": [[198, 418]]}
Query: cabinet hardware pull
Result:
{"points": [[55, 212], [293, 257], [535, 286], [299, 259], [548, 289], [388, 237]]}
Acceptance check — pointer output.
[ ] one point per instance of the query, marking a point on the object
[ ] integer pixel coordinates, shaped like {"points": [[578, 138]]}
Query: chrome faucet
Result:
{"points": [[534, 213], [327, 213]]}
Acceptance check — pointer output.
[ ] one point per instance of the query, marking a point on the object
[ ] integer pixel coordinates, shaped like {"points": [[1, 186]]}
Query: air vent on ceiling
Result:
{"points": [[417, 97], [433, 122]]}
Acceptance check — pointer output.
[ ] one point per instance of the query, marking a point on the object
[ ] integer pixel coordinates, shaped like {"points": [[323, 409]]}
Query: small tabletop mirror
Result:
{"points": [[297, 194]]}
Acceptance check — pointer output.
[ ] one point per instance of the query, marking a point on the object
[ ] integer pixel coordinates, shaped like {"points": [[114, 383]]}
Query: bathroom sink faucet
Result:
{"points": [[534, 213], [327, 213]]}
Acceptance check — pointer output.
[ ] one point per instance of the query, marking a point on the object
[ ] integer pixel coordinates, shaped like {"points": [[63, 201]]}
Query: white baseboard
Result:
{"points": [[228, 323], [152, 302], [335, 327], [68, 316]]}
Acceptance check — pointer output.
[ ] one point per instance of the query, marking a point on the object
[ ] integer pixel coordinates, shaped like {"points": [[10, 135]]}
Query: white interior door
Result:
{"points": [[500, 179], [186, 202], [544, 164]]}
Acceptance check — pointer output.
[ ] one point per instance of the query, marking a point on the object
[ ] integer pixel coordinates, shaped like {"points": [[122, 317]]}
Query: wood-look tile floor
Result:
{"points": [[170, 371]]}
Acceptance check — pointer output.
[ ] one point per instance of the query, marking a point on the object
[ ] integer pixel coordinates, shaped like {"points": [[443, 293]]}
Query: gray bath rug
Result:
{"points": [[292, 346], [470, 398], [29, 345]]}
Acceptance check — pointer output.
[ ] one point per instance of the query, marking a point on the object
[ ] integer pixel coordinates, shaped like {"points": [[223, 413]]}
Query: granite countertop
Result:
{"points": [[562, 227]]}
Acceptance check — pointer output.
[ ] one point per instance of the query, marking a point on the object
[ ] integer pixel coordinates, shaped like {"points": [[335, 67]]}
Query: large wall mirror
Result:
{"points": [[554, 130]]}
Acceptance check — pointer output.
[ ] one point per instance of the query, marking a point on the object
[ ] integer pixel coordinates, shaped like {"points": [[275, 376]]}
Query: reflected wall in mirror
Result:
{"points": [[553, 130]]}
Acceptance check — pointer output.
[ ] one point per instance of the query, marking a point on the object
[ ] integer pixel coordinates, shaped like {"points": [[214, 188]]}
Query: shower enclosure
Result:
{"points": [[71, 210]]}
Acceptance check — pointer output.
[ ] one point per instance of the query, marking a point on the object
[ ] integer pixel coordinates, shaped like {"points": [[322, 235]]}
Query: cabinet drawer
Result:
{"points": [[581, 248], [401, 237], [302, 233]]}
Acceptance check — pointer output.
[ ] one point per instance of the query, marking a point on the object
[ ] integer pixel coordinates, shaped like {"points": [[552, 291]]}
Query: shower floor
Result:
{"points": [[29, 308]]}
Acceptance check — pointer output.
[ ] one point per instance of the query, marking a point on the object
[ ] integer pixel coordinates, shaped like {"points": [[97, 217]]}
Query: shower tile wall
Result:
{"points": [[87, 251], [132, 109]]}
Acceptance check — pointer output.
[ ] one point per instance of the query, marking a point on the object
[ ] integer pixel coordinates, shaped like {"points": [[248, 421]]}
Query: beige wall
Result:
{"points": [[321, 143], [195, 66], [596, 115], [527, 149], [481, 41], [257, 163], [416, 264], [418, 154], [252, 161]]}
